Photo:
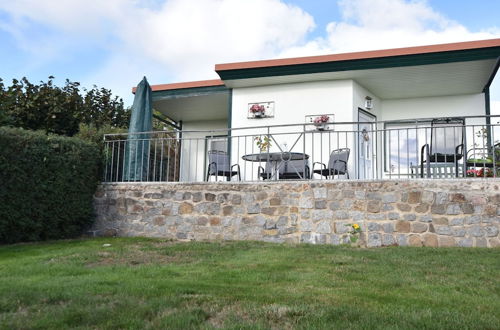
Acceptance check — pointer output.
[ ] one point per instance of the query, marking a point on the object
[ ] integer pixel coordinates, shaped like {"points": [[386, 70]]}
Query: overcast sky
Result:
{"points": [[113, 43]]}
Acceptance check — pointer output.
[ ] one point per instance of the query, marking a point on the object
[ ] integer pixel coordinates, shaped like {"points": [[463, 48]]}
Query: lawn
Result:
{"points": [[149, 283]]}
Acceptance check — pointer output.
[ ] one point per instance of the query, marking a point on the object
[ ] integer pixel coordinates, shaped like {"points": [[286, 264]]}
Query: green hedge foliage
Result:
{"points": [[47, 184]]}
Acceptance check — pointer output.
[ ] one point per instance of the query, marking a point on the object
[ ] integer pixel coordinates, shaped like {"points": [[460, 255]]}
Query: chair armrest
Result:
{"points": [[237, 166], [324, 166]]}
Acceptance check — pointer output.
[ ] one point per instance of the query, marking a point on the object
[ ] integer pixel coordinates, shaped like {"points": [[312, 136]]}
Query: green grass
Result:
{"points": [[148, 283]]}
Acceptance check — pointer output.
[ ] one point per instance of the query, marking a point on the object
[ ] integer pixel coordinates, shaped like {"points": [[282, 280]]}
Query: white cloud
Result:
{"points": [[381, 24], [178, 40]]}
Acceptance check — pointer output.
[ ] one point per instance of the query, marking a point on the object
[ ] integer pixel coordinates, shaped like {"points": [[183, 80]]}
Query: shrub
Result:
{"points": [[47, 185]]}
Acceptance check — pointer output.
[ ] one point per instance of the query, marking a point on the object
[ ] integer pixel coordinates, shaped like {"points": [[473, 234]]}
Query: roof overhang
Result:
{"points": [[447, 69], [192, 101]]}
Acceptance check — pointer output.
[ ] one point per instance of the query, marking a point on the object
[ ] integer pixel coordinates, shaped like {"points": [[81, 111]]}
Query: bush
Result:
{"points": [[47, 185]]}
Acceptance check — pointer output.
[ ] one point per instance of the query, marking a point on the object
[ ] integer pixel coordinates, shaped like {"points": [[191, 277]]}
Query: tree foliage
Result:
{"points": [[59, 110]]}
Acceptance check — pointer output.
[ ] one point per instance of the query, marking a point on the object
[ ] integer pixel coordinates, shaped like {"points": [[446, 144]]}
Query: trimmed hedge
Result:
{"points": [[47, 184]]}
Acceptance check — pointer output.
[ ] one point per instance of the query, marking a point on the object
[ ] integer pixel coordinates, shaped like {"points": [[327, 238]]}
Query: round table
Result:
{"points": [[275, 158]]}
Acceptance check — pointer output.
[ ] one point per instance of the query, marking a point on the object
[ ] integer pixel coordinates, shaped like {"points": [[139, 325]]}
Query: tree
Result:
{"points": [[59, 110]]}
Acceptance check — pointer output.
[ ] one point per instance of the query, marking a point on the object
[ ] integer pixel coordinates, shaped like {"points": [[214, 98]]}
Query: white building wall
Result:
{"points": [[193, 148], [431, 107], [292, 103]]}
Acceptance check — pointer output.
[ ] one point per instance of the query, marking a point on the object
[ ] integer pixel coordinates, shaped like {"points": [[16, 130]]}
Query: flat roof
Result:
{"points": [[457, 46], [238, 70]]}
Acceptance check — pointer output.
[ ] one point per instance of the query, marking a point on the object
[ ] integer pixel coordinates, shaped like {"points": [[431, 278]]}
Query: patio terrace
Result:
{"points": [[376, 150]]}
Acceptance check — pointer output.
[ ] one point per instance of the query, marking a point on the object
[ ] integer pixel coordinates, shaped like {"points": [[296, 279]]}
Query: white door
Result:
{"points": [[366, 136]]}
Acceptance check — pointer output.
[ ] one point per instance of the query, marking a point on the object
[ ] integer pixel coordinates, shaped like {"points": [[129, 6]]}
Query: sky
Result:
{"points": [[114, 43]]}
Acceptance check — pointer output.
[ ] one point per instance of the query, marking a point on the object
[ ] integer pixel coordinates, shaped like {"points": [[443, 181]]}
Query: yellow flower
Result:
{"points": [[355, 226]]}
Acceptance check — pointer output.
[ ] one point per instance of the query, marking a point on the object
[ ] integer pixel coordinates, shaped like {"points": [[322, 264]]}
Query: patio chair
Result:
{"points": [[337, 164], [219, 165], [287, 169], [483, 158], [447, 144]]}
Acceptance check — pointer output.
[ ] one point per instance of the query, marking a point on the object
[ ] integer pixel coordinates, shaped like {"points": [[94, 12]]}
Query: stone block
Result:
{"points": [[388, 227], [334, 206], [319, 193], [275, 201], [456, 222], [414, 240], [425, 218], [393, 216], [260, 196], [457, 198], [340, 215], [465, 242], [373, 206], [418, 227], [186, 196], [494, 242], [438, 209], [389, 198], [442, 221], [481, 242], [374, 240], [475, 231], [430, 240], [388, 239], [467, 208], [410, 217], [458, 231], [441, 198], [442, 230], [402, 226], [414, 197], [227, 210], [342, 227], [306, 203], [348, 193], [473, 219], [402, 240], [306, 225], [323, 227], [453, 209], [446, 241], [185, 208], [214, 221], [202, 221], [387, 207], [320, 204], [491, 231], [253, 208], [374, 196], [373, 226], [359, 194], [236, 199], [428, 197], [209, 197], [422, 208], [403, 207], [159, 221]]}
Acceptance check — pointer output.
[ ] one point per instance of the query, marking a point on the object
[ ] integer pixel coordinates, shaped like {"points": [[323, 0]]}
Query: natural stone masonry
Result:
{"points": [[464, 212]]}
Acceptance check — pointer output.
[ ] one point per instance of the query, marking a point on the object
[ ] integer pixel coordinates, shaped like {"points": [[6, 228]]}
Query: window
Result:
{"points": [[403, 141]]}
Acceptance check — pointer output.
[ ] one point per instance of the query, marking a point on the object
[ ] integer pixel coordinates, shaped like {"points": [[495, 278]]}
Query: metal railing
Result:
{"points": [[417, 148]]}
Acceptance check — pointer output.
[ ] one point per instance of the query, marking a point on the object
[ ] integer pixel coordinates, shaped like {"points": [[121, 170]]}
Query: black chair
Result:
{"points": [[337, 164], [219, 165], [287, 169], [447, 144]]}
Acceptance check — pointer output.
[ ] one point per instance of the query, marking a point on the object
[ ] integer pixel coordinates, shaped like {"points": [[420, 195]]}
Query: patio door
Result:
{"points": [[365, 164]]}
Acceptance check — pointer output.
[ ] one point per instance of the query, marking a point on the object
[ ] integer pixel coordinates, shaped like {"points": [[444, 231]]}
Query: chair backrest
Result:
{"points": [[338, 159], [221, 161], [446, 135]]}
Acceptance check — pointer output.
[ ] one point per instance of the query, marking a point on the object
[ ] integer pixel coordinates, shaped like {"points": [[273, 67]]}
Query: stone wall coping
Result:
{"points": [[424, 180]]}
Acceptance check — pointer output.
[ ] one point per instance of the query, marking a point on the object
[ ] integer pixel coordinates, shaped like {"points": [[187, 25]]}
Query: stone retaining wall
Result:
{"points": [[463, 212]]}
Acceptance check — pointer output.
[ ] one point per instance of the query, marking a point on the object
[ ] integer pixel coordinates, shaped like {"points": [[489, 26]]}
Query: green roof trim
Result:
{"points": [[364, 64]]}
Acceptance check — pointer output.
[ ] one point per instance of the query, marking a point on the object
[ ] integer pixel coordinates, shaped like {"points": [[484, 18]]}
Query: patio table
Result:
{"points": [[275, 158]]}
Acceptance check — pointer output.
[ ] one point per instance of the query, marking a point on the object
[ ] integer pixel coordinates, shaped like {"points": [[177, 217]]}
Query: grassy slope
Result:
{"points": [[146, 283]]}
